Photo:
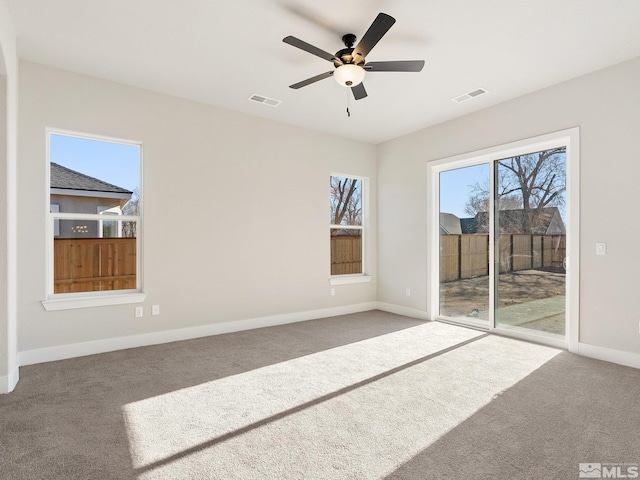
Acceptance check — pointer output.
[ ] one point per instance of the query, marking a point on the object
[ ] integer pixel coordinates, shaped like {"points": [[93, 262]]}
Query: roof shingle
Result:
{"points": [[65, 178]]}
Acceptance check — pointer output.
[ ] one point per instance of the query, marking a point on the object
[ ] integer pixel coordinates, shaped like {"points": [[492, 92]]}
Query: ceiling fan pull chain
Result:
{"points": [[348, 112]]}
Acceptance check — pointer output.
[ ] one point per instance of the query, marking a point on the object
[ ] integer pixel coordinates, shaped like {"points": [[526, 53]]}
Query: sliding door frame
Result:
{"points": [[569, 138]]}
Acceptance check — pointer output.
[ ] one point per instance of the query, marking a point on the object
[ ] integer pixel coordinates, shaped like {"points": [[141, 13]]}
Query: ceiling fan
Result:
{"points": [[350, 65]]}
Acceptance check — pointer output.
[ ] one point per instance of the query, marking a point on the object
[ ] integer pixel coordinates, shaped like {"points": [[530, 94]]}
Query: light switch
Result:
{"points": [[601, 248]]}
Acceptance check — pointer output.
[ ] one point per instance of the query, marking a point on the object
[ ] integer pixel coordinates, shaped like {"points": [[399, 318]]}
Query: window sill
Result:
{"points": [[92, 301], [347, 279]]}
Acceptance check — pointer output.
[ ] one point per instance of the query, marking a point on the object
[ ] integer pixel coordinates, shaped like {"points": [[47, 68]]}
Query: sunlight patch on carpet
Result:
{"points": [[251, 425]]}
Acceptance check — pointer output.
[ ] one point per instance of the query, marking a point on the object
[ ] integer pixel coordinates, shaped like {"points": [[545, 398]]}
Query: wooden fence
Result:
{"points": [[346, 254], [93, 264], [467, 255]]}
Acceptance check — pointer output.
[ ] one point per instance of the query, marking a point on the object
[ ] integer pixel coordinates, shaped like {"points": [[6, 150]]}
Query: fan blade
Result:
{"points": [[377, 30], [398, 66], [311, 80], [307, 47], [358, 91]]}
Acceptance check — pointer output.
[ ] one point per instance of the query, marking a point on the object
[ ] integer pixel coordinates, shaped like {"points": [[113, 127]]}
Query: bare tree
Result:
{"points": [[528, 183], [132, 207], [478, 204], [478, 200], [540, 180], [346, 201]]}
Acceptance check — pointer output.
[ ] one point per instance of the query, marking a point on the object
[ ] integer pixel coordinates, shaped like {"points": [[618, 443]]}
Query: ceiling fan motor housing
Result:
{"points": [[349, 40], [346, 54]]}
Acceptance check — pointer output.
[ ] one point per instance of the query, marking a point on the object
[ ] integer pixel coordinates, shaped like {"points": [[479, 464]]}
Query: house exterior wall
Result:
{"points": [[73, 204], [604, 105], [235, 219], [78, 204]]}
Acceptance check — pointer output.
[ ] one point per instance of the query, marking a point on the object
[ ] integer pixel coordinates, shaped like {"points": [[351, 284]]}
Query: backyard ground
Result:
{"points": [[528, 298]]}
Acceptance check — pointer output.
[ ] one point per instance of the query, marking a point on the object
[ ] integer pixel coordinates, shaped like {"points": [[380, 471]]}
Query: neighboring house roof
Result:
{"points": [[449, 224], [546, 221], [66, 179]]}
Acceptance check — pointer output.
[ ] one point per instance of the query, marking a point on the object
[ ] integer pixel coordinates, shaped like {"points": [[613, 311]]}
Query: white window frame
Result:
{"points": [[355, 277], [64, 301]]}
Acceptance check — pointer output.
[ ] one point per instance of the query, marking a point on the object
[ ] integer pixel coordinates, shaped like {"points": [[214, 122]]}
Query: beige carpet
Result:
{"points": [[370, 395]]}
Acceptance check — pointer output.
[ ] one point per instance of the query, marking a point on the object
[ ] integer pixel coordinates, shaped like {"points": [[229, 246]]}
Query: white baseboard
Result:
{"points": [[609, 355], [600, 353], [41, 355], [399, 310], [63, 352], [9, 382]]}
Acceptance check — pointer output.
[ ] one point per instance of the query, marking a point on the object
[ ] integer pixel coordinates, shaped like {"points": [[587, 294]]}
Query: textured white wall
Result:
{"points": [[235, 209], [8, 125], [606, 107], [4, 279]]}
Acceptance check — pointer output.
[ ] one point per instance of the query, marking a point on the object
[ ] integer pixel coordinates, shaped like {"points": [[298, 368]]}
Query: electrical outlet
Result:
{"points": [[407, 292], [601, 248], [155, 310], [139, 312], [333, 292]]}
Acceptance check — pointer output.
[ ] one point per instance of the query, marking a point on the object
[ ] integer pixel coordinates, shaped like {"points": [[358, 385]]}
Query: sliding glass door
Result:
{"points": [[501, 248], [464, 246], [530, 242]]}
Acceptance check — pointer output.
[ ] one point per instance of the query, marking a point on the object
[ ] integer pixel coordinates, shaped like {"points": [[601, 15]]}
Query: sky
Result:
{"points": [[456, 186], [115, 163]]}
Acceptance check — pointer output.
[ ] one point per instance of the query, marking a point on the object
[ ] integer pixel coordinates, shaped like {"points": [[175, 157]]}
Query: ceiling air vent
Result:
{"points": [[272, 102], [470, 95]]}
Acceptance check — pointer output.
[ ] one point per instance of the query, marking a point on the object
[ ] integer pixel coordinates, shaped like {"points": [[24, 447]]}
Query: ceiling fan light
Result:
{"points": [[349, 75]]}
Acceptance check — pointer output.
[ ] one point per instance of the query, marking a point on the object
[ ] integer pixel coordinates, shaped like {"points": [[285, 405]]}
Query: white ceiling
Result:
{"points": [[222, 51]]}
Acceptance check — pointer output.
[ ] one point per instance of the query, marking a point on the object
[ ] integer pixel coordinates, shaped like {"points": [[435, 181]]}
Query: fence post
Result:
{"points": [[531, 250], [488, 256], [511, 253], [459, 257]]}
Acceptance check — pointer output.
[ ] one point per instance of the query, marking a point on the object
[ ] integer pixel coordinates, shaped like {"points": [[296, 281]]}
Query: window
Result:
{"points": [[346, 225], [94, 220], [108, 228]]}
